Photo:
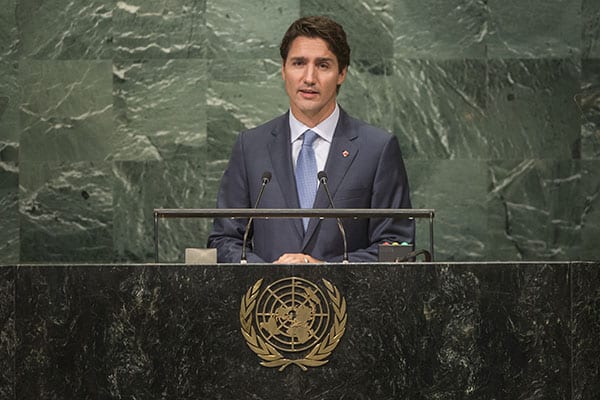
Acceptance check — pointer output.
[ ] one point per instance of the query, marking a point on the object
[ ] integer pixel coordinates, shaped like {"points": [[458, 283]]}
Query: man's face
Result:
{"points": [[311, 76]]}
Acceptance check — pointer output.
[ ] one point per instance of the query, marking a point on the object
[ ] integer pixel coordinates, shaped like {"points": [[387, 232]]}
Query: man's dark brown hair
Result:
{"points": [[318, 27]]}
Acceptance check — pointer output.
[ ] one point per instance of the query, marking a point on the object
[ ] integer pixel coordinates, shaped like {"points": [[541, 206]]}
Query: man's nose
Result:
{"points": [[309, 74]]}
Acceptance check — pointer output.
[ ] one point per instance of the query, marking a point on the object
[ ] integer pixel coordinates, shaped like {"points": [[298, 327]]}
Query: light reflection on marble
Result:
{"points": [[8, 32], [456, 190], [589, 218], [367, 94], [66, 111], [588, 101], [9, 161], [532, 111], [66, 212], [160, 109], [9, 205], [436, 108], [158, 29], [440, 109], [534, 29], [432, 29], [9, 153], [59, 30], [250, 31], [241, 96], [141, 187], [590, 13], [10, 100], [368, 24], [523, 217]]}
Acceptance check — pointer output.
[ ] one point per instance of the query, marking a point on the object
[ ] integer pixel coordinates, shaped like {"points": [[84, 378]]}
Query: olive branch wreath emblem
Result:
{"points": [[271, 357]]}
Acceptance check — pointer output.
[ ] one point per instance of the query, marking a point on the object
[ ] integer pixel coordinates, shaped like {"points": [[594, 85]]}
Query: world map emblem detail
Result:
{"points": [[293, 322]]}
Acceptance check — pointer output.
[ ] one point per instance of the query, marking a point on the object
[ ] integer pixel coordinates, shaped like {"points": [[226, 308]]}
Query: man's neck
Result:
{"points": [[312, 120]]}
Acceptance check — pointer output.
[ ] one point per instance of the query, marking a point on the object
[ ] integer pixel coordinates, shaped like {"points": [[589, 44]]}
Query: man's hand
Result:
{"points": [[296, 258]]}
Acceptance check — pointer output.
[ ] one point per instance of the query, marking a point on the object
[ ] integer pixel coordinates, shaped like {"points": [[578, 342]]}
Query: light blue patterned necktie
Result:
{"points": [[306, 173]]}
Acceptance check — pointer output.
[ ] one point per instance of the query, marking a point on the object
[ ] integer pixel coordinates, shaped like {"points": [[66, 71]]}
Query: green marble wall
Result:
{"points": [[111, 108]]}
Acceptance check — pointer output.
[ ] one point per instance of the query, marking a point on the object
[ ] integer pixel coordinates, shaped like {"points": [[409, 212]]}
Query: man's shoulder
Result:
{"points": [[365, 129]]}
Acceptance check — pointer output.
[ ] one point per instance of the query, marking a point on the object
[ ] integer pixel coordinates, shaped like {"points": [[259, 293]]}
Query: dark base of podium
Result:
{"points": [[420, 331]]}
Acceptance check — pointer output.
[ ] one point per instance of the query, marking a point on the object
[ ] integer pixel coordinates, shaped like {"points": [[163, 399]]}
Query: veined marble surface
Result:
{"points": [[590, 11], [109, 109], [7, 332], [426, 331]]}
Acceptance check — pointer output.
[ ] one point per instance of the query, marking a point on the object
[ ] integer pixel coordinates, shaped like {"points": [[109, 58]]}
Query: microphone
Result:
{"points": [[322, 175], [266, 178]]}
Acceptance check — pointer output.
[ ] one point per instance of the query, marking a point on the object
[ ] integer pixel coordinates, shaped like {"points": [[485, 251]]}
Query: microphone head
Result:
{"points": [[266, 176], [322, 176]]}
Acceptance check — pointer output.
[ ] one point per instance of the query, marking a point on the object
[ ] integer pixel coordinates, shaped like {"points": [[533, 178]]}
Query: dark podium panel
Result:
{"points": [[420, 331]]}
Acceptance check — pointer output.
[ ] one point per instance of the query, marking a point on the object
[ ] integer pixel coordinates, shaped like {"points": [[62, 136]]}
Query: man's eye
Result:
{"points": [[324, 66]]}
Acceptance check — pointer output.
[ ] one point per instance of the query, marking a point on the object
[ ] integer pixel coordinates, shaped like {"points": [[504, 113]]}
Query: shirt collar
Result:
{"points": [[325, 129]]}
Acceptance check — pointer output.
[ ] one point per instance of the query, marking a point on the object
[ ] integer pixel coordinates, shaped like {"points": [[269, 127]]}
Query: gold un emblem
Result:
{"points": [[291, 321]]}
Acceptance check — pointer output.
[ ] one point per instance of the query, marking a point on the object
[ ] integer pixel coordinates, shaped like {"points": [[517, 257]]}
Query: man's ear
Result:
{"points": [[342, 76]]}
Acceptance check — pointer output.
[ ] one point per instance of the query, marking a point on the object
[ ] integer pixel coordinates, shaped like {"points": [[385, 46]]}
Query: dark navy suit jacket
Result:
{"points": [[364, 169]]}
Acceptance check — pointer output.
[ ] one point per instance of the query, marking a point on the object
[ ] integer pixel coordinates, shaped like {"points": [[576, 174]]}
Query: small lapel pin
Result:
{"points": [[345, 153]]}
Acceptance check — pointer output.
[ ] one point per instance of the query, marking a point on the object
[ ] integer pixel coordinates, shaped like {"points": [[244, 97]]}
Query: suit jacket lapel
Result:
{"points": [[342, 152], [281, 159]]}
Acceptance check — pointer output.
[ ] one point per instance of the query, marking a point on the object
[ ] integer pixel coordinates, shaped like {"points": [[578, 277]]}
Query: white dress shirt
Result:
{"points": [[322, 144]]}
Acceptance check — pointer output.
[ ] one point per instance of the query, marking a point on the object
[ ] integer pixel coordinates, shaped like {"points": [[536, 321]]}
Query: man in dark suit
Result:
{"points": [[363, 164]]}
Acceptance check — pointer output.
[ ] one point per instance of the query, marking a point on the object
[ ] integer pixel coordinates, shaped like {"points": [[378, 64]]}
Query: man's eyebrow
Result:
{"points": [[317, 60], [324, 59]]}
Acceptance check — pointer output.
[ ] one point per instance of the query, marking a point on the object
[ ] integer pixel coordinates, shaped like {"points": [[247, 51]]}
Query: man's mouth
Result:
{"points": [[308, 92]]}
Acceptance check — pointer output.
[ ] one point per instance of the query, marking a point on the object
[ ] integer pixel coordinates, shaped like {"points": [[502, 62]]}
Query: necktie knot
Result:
{"points": [[309, 138]]}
